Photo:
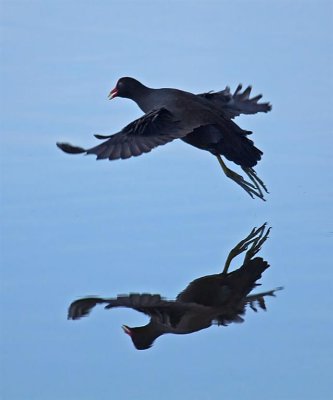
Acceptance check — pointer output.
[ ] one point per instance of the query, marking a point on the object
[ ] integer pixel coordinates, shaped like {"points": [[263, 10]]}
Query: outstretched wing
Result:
{"points": [[154, 129], [237, 103], [153, 305]]}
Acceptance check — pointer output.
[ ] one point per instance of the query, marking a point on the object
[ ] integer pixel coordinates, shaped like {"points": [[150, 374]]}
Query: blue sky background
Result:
{"points": [[71, 226]]}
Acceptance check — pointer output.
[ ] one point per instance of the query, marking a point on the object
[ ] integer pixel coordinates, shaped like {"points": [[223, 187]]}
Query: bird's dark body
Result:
{"points": [[205, 124], [229, 142]]}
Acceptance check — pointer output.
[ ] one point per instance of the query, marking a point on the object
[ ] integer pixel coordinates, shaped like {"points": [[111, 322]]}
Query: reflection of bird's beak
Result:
{"points": [[113, 93], [127, 330]]}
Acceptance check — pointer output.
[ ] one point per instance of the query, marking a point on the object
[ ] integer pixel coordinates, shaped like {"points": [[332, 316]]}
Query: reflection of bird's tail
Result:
{"points": [[244, 279], [242, 282]]}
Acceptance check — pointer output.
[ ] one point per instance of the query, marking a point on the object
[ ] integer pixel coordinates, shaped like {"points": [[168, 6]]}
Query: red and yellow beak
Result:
{"points": [[113, 93]]}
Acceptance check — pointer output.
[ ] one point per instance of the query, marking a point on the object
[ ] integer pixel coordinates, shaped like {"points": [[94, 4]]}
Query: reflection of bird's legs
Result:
{"points": [[251, 189], [256, 238], [257, 243], [259, 184]]}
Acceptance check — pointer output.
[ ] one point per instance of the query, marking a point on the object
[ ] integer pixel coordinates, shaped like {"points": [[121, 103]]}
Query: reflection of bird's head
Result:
{"points": [[142, 336]]}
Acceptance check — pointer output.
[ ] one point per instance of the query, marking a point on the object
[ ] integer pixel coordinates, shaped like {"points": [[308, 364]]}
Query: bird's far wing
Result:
{"points": [[168, 312], [155, 128], [237, 103]]}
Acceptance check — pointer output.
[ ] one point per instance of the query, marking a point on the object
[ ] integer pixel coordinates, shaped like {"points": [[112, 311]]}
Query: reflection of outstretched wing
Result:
{"points": [[258, 300], [255, 301], [238, 103], [155, 128], [153, 305]]}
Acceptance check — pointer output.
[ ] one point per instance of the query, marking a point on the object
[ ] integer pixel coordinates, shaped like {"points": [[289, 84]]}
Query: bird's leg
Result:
{"points": [[259, 184], [251, 189], [254, 238]]}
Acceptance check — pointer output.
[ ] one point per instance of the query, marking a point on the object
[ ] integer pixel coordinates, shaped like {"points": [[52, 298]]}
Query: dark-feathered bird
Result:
{"points": [[203, 120], [214, 299]]}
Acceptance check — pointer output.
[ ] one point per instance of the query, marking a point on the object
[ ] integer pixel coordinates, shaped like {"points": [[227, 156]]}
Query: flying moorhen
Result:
{"points": [[213, 299], [203, 120]]}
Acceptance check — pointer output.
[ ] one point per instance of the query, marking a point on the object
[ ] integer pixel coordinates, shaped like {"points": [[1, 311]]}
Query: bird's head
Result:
{"points": [[142, 336], [126, 87]]}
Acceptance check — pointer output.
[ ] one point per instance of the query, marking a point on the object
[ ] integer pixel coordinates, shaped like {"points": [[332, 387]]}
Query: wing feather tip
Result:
{"points": [[70, 149]]}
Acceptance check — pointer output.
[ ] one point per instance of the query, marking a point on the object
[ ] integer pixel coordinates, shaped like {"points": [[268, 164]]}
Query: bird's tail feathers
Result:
{"points": [[237, 147]]}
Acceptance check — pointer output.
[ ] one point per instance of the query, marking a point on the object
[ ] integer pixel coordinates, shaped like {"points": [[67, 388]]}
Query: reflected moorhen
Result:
{"points": [[213, 299]]}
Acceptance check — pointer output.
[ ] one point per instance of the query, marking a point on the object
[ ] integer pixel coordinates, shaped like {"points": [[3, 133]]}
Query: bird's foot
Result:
{"points": [[253, 189], [256, 238], [258, 183]]}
